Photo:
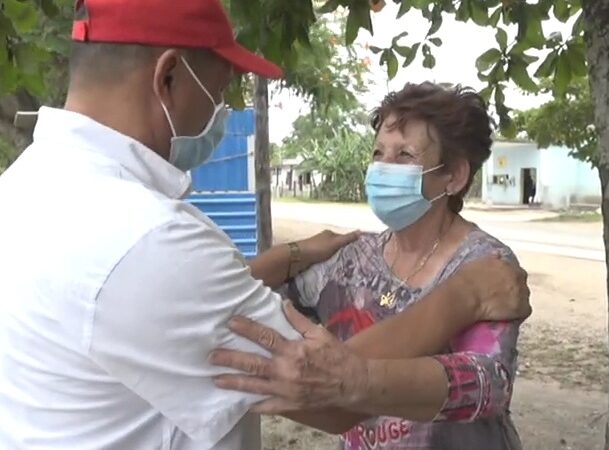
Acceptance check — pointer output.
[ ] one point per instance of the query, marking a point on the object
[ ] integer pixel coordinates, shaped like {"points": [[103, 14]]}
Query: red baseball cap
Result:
{"points": [[167, 23]]}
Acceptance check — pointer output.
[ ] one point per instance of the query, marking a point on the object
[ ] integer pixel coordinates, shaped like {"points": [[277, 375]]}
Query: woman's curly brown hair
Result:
{"points": [[457, 114]]}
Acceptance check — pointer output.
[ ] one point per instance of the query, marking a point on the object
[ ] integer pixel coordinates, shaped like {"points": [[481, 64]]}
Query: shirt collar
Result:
{"points": [[68, 128]]}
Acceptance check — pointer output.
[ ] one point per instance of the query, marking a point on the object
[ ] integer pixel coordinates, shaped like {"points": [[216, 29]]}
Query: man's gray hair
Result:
{"points": [[99, 63]]}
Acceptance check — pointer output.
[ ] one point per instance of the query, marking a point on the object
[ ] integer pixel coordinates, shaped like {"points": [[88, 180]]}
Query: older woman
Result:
{"points": [[430, 143]]}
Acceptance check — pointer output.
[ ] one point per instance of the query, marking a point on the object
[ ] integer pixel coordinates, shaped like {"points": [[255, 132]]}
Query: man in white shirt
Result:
{"points": [[114, 290]]}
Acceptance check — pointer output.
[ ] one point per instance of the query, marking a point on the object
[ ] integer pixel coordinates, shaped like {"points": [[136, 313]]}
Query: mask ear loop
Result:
{"points": [[166, 111], [438, 197], [439, 166], [192, 73]]}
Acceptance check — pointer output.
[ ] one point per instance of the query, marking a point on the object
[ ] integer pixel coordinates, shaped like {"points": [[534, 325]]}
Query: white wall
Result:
{"points": [[565, 180], [516, 156]]}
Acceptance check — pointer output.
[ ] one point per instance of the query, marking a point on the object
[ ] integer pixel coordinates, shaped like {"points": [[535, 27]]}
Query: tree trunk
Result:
{"points": [[596, 16], [263, 165]]}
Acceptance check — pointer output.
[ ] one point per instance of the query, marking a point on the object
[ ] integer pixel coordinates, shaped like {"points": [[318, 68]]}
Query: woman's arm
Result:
{"points": [[481, 372], [427, 327], [474, 382], [272, 266]]}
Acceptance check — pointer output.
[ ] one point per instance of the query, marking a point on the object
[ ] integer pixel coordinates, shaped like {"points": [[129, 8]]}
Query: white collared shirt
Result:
{"points": [[113, 291]]}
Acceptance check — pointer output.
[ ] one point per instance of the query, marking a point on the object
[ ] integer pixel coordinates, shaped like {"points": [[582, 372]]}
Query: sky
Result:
{"points": [[455, 63]]}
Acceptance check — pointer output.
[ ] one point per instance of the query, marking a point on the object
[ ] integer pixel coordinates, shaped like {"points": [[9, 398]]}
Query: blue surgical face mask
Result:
{"points": [[395, 193], [188, 152]]}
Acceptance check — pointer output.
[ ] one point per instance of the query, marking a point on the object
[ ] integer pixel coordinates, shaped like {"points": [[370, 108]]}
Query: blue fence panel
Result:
{"points": [[235, 214], [227, 169]]}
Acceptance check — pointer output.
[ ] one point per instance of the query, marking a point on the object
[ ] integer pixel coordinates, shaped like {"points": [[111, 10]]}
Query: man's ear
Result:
{"points": [[163, 77]]}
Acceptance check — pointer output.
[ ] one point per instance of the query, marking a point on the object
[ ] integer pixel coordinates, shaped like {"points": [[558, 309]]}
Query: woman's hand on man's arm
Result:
{"points": [[279, 263]]}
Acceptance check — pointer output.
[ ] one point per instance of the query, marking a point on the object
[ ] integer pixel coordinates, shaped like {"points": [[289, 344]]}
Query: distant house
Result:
{"points": [[288, 178], [520, 173]]}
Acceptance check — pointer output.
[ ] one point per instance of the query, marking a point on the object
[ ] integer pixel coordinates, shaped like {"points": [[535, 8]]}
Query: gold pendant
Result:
{"points": [[388, 299]]}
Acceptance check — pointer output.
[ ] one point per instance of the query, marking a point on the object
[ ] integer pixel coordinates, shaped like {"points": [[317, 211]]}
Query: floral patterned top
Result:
{"points": [[344, 293]]}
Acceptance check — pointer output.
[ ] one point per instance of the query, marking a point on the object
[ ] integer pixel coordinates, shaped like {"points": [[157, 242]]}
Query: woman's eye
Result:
{"points": [[376, 154]]}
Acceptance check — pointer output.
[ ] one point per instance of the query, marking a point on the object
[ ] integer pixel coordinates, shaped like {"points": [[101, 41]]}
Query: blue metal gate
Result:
{"points": [[224, 187]]}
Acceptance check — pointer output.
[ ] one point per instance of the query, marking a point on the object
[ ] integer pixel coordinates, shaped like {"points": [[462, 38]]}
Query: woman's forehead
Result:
{"points": [[416, 134]]}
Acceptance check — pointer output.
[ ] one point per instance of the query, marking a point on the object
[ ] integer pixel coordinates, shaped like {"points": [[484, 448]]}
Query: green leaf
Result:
{"points": [[410, 57], [398, 37], [502, 39], [353, 26], [49, 8], [578, 26], [420, 4], [392, 65], [494, 19], [499, 96], [548, 66], [375, 50], [534, 33], [463, 14], [486, 78], [528, 59], [436, 24], [577, 59], [436, 41], [479, 13], [329, 6], [359, 17], [28, 58], [3, 56], [486, 93], [507, 127], [57, 44], [23, 15], [429, 62], [562, 10], [403, 51], [234, 94], [517, 71], [563, 74], [404, 8], [498, 73], [488, 59], [8, 79], [33, 83]]}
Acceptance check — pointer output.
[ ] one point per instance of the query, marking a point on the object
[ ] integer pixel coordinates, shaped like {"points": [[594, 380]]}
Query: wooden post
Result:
{"points": [[262, 163]]}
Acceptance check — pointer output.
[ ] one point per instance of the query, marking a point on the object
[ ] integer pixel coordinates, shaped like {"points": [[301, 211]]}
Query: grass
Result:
{"points": [[585, 217]]}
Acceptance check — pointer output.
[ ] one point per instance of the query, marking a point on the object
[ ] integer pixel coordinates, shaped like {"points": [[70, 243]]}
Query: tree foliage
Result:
{"points": [[335, 143], [34, 36], [33, 32], [563, 57], [567, 121]]}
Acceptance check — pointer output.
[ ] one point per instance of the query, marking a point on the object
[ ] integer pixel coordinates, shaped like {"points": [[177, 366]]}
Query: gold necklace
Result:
{"points": [[389, 298]]}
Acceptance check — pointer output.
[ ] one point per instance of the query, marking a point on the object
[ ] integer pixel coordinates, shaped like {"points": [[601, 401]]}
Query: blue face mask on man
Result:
{"points": [[188, 152], [395, 193]]}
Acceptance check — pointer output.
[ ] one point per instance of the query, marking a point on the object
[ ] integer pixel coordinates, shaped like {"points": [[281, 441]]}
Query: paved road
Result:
{"points": [[518, 228]]}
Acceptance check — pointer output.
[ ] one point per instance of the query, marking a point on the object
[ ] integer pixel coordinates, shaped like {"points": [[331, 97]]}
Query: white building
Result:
{"points": [[289, 179], [556, 180]]}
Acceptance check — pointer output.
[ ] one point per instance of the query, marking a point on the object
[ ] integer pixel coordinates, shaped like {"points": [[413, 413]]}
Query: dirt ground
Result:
{"points": [[560, 397]]}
